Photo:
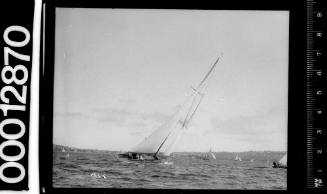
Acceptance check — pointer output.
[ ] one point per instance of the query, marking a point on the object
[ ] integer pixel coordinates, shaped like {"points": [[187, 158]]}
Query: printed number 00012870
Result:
{"points": [[15, 86]]}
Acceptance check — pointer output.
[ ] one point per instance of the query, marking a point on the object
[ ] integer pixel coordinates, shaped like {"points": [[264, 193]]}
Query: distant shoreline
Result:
{"points": [[58, 148]]}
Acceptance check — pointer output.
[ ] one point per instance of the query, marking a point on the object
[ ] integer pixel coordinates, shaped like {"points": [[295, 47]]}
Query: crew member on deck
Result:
{"points": [[275, 165]]}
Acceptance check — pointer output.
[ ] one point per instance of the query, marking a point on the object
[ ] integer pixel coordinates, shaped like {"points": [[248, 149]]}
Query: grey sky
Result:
{"points": [[119, 74]]}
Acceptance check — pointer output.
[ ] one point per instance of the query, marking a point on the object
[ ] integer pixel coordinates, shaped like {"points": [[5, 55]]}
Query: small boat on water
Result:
{"points": [[160, 144], [282, 163], [141, 156], [212, 154], [209, 155], [237, 158], [65, 154]]}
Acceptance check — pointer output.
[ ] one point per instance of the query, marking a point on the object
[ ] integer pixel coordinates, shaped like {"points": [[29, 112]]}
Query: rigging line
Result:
{"points": [[196, 90], [180, 128], [173, 141], [184, 103], [162, 144], [198, 93], [189, 120], [190, 109]]}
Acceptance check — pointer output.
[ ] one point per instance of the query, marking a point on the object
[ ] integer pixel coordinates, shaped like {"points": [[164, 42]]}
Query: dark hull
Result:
{"points": [[279, 166], [145, 156]]}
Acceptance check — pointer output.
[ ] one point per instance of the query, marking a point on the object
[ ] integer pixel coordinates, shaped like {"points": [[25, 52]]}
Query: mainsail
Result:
{"points": [[165, 137], [212, 155], [283, 161], [237, 158]]}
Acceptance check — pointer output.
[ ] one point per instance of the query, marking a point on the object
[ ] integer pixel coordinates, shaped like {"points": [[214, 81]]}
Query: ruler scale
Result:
{"points": [[315, 90]]}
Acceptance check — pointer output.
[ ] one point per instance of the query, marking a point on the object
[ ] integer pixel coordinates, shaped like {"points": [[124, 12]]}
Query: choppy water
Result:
{"points": [[182, 171]]}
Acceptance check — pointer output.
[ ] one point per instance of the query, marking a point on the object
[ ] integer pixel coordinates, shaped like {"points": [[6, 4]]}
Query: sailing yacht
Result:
{"points": [[160, 144], [282, 163], [210, 155], [237, 158]]}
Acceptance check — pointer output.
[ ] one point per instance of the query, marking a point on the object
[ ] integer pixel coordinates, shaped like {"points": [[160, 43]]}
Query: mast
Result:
{"points": [[155, 155], [209, 72], [169, 132], [190, 115]]}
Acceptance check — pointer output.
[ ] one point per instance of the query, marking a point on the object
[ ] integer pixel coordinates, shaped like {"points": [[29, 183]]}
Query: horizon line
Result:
{"points": [[174, 152]]}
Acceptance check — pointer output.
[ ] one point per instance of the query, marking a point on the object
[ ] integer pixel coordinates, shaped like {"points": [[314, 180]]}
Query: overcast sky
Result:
{"points": [[120, 74]]}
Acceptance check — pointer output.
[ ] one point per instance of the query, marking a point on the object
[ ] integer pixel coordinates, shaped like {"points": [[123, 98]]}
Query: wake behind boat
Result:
{"points": [[160, 144]]}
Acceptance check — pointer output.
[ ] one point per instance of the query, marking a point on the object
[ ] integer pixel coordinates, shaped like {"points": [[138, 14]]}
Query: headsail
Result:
{"points": [[212, 155], [165, 137], [237, 158], [283, 161]]}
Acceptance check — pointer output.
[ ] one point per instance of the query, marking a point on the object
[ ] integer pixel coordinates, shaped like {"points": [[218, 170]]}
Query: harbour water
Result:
{"points": [[181, 171]]}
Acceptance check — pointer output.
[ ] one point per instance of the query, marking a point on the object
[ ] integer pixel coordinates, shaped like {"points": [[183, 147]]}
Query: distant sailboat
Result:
{"points": [[282, 163], [212, 155], [162, 141], [66, 155], [209, 155], [237, 158]]}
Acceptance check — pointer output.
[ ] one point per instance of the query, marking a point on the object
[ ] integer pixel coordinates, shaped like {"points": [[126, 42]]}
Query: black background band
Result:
{"points": [[296, 173], [16, 13]]}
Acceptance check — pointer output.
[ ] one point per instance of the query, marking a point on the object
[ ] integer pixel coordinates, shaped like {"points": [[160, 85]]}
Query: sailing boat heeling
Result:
{"points": [[212, 155], [165, 137], [237, 158], [152, 143], [283, 161]]}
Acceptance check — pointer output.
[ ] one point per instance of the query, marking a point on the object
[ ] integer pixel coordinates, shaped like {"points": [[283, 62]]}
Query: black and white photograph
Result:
{"points": [[170, 99]]}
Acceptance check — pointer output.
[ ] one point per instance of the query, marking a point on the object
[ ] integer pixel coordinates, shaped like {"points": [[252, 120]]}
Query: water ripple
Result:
{"points": [[182, 171]]}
